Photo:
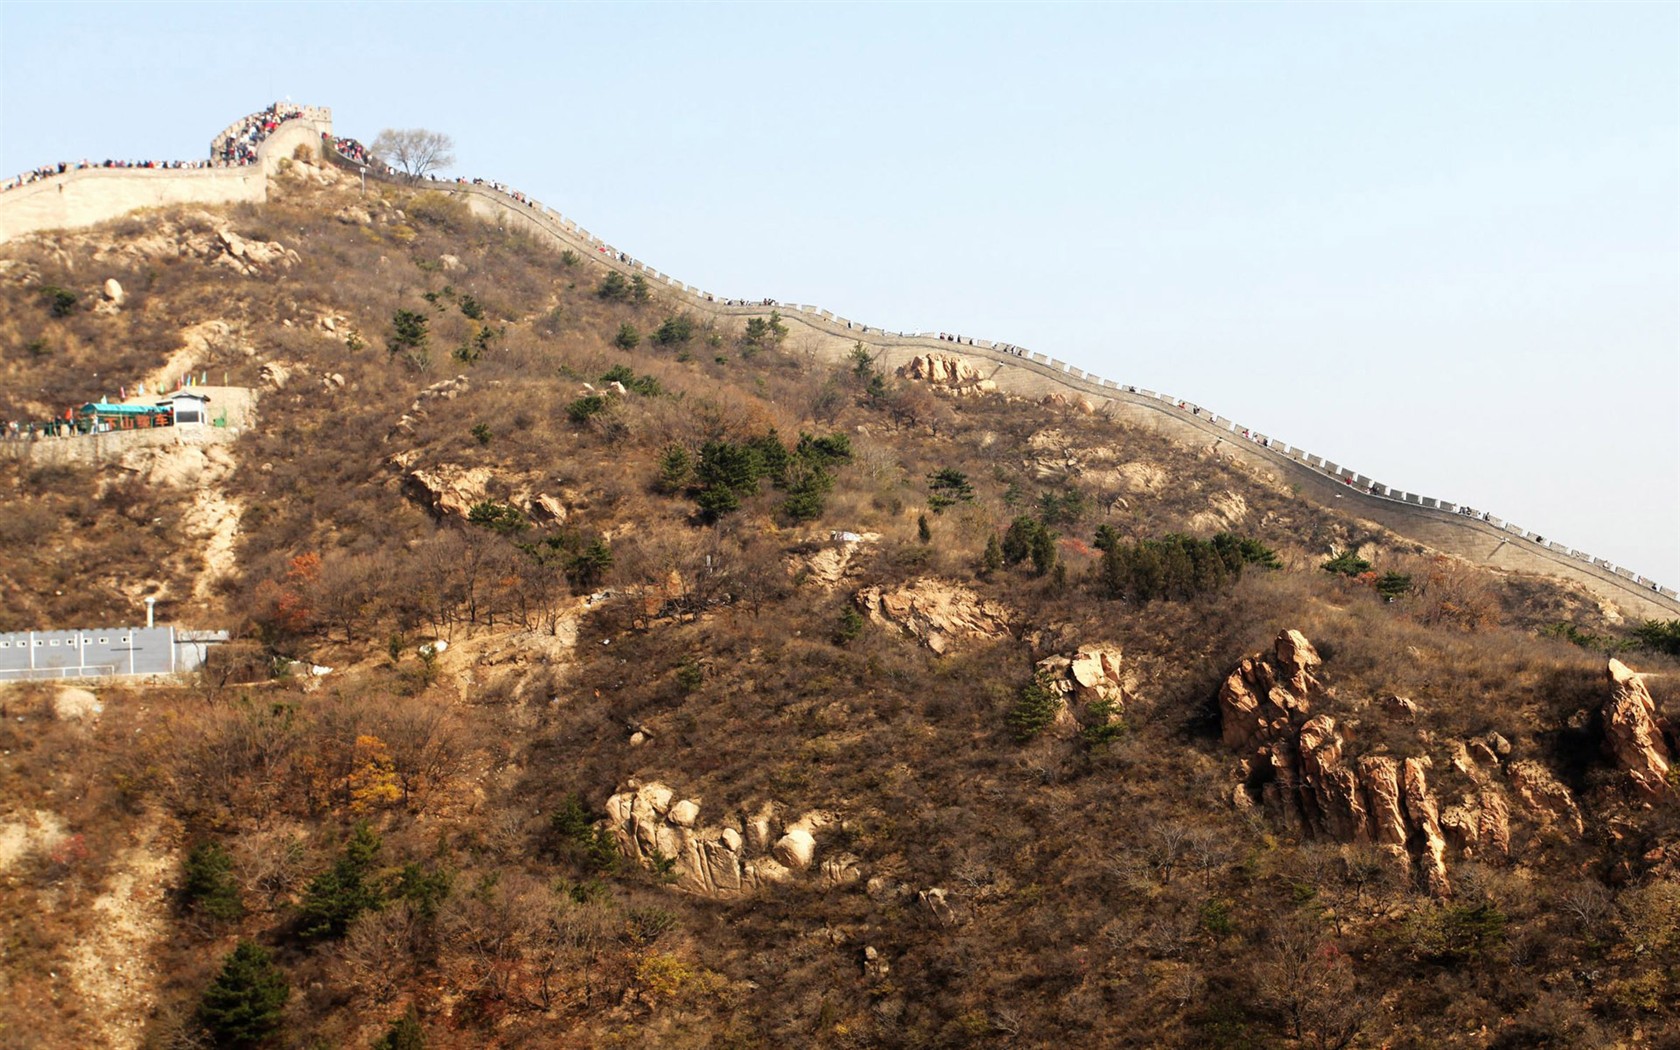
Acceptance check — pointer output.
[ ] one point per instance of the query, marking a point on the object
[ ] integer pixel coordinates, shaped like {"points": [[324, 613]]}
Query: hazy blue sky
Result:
{"points": [[1439, 243]]}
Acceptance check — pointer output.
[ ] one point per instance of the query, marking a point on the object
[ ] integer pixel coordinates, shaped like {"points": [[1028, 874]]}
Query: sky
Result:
{"points": [[1436, 243]]}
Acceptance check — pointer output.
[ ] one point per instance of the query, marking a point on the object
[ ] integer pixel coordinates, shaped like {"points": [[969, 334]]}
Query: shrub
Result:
{"points": [[408, 332], [243, 1005], [850, 626], [481, 432], [1664, 637], [627, 338], [1392, 585], [764, 334], [639, 289], [614, 288], [1347, 563], [675, 468], [405, 1033], [1173, 567], [579, 840], [471, 308], [61, 302], [675, 329], [580, 410], [501, 518], [568, 258], [1248, 551]]}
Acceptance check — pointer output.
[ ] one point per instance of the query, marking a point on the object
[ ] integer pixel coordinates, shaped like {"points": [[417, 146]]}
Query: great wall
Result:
{"points": [[89, 196]]}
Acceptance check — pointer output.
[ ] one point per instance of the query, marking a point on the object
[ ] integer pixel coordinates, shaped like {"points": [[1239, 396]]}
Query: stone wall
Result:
{"points": [[1438, 524], [94, 195]]}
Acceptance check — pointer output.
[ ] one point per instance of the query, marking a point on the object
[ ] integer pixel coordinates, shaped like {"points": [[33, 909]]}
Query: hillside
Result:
{"points": [[795, 692]]}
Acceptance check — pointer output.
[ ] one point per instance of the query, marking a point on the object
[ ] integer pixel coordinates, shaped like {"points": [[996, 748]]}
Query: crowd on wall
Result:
{"points": [[238, 144], [235, 147]]}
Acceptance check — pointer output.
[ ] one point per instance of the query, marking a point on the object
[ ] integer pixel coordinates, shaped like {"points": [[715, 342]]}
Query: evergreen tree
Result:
{"points": [[208, 885], [1018, 540], [923, 532], [992, 560], [1035, 709], [1043, 551], [336, 896], [675, 468], [405, 1033], [243, 1004]]}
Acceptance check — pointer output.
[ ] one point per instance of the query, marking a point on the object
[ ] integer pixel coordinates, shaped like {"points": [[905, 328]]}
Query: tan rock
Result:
{"points": [[938, 904], [1542, 795], [938, 613], [684, 813], [1296, 658], [70, 704], [1425, 818], [1633, 735], [1381, 776], [1494, 826], [941, 370], [1400, 709], [448, 491], [1331, 798]]}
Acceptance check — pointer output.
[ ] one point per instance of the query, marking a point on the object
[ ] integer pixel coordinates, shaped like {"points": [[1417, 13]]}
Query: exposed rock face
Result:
{"points": [[938, 613], [828, 566], [1633, 734], [250, 258], [448, 491], [650, 822], [1543, 796], [1295, 766], [949, 371]]}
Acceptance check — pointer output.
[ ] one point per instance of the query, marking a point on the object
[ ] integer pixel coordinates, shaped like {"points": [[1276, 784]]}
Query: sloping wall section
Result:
{"points": [[1440, 525]]}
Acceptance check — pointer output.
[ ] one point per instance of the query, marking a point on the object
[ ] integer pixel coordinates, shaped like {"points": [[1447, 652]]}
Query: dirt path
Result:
{"points": [[112, 968]]}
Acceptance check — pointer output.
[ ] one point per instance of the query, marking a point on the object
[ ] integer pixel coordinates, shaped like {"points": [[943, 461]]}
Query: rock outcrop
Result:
{"points": [[653, 826], [937, 612], [1089, 675], [947, 371], [448, 490], [1633, 733], [1294, 765]]}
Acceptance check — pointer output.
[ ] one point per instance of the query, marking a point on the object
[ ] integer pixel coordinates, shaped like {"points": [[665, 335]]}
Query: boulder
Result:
{"points": [[938, 904], [450, 263], [1633, 734], [796, 849], [1400, 709], [113, 298], [70, 704]]}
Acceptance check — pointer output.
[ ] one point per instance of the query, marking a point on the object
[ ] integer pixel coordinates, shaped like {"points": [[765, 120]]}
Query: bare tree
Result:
{"points": [[415, 152]]}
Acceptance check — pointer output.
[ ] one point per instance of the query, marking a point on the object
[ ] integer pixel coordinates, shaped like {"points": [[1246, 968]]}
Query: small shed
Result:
{"points": [[187, 408]]}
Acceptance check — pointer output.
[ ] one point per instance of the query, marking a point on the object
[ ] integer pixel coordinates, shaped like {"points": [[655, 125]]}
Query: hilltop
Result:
{"points": [[797, 683]]}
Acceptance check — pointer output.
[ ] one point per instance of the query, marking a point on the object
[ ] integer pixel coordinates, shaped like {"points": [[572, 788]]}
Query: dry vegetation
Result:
{"points": [[1100, 895]]}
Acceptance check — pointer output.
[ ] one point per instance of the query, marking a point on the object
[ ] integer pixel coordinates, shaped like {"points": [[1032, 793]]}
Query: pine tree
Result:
{"points": [[923, 533], [405, 1033], [336, 896], [1035, 709], [208, 885], [992, 560], [243, 1004]]}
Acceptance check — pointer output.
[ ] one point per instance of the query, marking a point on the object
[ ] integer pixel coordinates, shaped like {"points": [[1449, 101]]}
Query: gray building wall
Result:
{"points": [[102, 652]]}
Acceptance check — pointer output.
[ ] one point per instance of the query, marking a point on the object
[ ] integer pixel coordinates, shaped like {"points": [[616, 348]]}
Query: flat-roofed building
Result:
{"points": [[102, 652]]}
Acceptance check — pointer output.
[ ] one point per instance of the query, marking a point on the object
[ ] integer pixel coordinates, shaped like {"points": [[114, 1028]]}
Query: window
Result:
{"points": [[5, 645], [102, 641], [55, 643]]}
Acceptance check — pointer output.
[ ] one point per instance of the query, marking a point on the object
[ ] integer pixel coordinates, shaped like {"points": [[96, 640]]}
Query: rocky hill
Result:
{"points": [[612, 672]]}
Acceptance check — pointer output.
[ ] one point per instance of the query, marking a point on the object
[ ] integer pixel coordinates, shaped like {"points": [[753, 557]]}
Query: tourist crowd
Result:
{"points": [[235, 147], [238, 144]]}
